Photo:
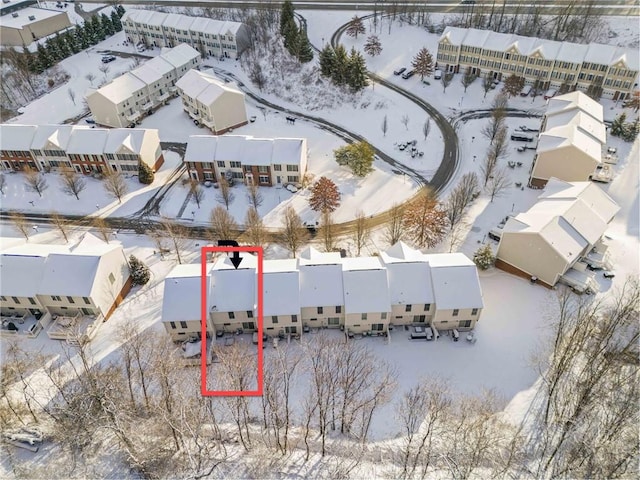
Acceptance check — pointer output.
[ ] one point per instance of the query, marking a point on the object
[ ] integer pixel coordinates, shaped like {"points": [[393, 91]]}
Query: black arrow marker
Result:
{"points": [[235, 259]]}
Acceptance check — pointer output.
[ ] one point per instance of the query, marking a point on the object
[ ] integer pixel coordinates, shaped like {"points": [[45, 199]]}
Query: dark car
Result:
{"points": [[108, 58], [408, 74], [400, 71]]}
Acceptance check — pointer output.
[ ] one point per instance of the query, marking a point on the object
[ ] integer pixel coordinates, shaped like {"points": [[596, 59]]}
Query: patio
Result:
{"points": [[74, 329], [20, 325]]}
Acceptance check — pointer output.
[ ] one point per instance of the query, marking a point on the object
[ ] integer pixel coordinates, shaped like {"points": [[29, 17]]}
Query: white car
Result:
{"points": [[437, 75], [291, 188]]}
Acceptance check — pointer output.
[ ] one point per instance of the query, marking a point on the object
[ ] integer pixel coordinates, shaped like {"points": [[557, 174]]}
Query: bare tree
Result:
{"points": [[115, 185], [3, 183], [35, 181], [196, 191], [294, 233], [385, 126], [498, 183], [393, 230], [223, 226], [104, 231], [254, 195], [176, 234], [488, 166], [426, 127], [61, 225], [446, 80], [72, 183], [460, 198], [498, 115], [361, 231], [91, 77], [487, 83], [255, 230], [327, 230], [104, 68], [225, 196], [72, 95], [425, 220], [19, 222], [405, 121], [467, 79]]}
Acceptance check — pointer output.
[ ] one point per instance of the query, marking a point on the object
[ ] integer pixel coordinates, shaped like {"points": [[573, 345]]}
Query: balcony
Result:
{"points": [[193, 114], [134, 116], [209, 123], [163, 97], [147, 106]]}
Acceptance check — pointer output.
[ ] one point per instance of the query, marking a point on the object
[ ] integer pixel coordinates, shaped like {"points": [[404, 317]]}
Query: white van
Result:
{"points": [[526, 90]]}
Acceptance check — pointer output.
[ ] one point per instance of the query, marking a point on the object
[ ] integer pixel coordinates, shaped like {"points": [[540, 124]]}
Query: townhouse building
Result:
{"points": [[26, 23], [88, 278], [281, 284], [87, 150], [258, 161], [212, 38], [129, 97], [549, 63], [212, 103]]}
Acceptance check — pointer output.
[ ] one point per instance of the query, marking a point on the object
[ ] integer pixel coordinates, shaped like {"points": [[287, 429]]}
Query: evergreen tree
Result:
{"points": [[423, 63], [72, 41], [339, 73], [357, 156], [145, 174], [120, 10], [107, 25], [356, 71], [83, 36], [327, 60], [291, 33], [140, 273], [286, 17], [373, 46], [65, 47], [617, 126], [115, 21], [98, 28], [53, 47], [43, 58], [305, 52], [484, 257]]}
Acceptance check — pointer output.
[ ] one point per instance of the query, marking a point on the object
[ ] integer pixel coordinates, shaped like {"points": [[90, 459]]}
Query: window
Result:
{"points": [[339, 309], [333, 321], [427, 307], [220, 163], [15, 299], [249, 314], [249, 325], [232, 315], [292, 168], [474, 311], [32, 301], [274, 319], [173, 325], [320, 310], [292, 179], [464, 324], [263, 169], [86, 300], [364, 316], [277, 168], [70, 300], [455, 312], [407, 308], [263, 179], [55, 298], [112, 278], [294, 318], [383, 315], [419, 318], [377, 327], [183, 324], [236, 165]]}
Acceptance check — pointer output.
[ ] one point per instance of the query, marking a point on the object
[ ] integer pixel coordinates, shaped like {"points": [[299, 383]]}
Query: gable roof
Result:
{"points": [[576, 117], [205, 87], [589, 193], [56, 134], [281, 286], [16, 137], [181, 300], [201, 148], [130, 138], [365, 285], [409, 275], [20, 274], [401, 252], [233, 290], [85, 140], [575, 100], [321, 284], [569, 136], [452, 274], [312, 256]]}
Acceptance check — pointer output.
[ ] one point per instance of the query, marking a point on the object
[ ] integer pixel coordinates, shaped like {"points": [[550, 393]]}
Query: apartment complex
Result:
{"points": [[89, 278], [87, 150], [126, 99], [322, 290], [571, 140], [259, 161], [559, 235], [551, 63], [213, 38], [24, 23], [211, 102]]}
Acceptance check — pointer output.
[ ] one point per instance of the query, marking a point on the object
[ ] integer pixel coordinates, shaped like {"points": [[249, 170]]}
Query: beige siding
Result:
{"points": [[228, 110], [450, 319], [68, 305], [20, 305], [104, 111], [180, 333], [400, 316], [26, 35], [356, 324], [222, 322], [284, 324], [313, 319], [569, 164]]}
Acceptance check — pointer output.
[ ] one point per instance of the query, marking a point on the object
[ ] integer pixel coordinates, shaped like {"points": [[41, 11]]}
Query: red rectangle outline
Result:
{"points": [[203, 322]]}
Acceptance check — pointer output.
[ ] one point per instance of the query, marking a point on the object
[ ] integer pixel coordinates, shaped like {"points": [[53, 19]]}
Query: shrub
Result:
{"points": [[140, 273], [145, 174], [484, 257]]}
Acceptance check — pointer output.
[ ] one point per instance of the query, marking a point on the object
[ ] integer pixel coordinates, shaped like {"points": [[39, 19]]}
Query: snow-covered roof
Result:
{"points": [[401, 252], [233, 290], [586, 123], [153, 70], [365, 285], [180, 55], [455, 281], [201, 148], [570, 136], [121, 88], [593, 196], [409, 275], [205, 87], [321, 284], [20, 274], [181, 300], [230, 147], [575, 100], [281, 285], [257, 151], [16, 137], [288, 151], [23, 18], [311, 256], [85, 140], [57, 135], [121, 139]]}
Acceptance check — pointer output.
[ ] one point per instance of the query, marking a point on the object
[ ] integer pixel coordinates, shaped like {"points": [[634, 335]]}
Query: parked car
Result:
{"points": [[409, 74], [521, 137], [108, 58], [550, 93], [608, 274], [437, 75], [400, 71], [90, 120], [612, 150], [526, 90], [494, 234]]}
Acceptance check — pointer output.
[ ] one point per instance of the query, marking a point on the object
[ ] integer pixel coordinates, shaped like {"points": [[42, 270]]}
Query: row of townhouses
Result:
{"points": [[211, 102], [87, 150], [553, 63], [210, 37], [560, 235], [322, 290], [127, 98], [572, 139], [257, 161], [88, 278]]}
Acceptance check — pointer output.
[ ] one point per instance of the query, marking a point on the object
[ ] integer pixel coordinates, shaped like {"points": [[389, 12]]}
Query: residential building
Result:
{"points": [[561, 232], [321, 289], [410, 285], [211, 102], [546, 62], [366, 295], [281, 285], [87, 150], [127, 98], [456, 291], [571, 140], [260, 161], [212, 38], [89, 278], [20, 27]]}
